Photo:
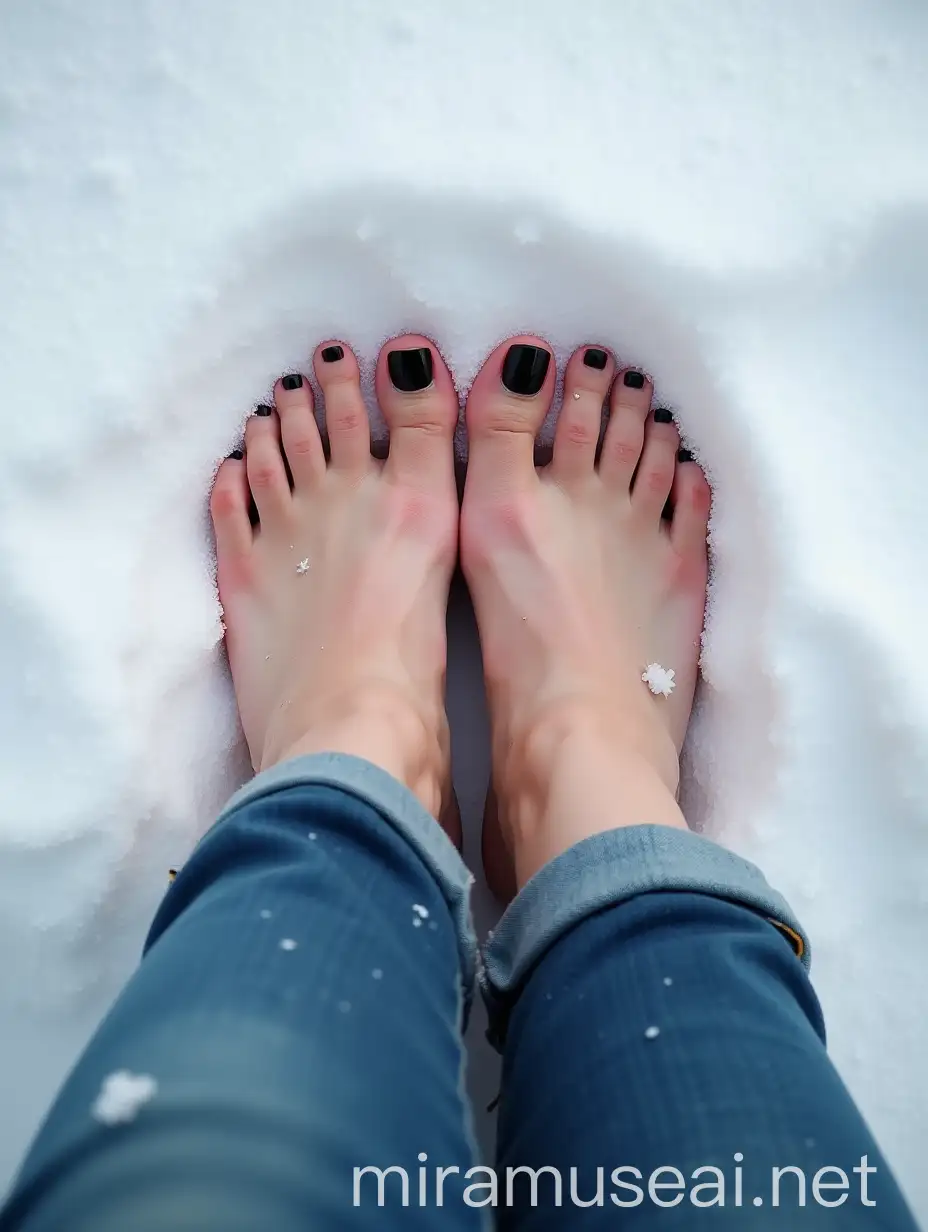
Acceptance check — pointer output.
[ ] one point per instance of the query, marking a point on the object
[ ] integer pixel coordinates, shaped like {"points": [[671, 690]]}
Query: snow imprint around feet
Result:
{"points": [[776, 294]]}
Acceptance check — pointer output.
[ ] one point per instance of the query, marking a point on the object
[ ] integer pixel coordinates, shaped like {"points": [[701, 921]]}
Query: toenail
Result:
{"points": [[662, 415], [237, 455], [634, 380], [410, 370], [525, 369], [595, 357], [263, 409], [293, 381], [332, 354], [684, 455]]}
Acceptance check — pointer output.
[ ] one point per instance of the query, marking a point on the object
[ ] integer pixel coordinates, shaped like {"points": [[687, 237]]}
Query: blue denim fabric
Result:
{"points": [[281, 1069], [678, 1030]]}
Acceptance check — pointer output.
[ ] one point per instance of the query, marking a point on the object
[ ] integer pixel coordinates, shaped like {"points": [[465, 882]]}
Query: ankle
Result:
{"points": [[583, 771], [382, 726]]}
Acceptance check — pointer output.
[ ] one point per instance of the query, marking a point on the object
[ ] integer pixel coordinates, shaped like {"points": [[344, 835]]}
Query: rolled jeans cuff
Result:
{"points": [[606, 870], [401, 810]]}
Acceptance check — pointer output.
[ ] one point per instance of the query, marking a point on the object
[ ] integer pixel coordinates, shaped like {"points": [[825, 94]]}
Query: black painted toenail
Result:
{"points": [[293, 381], [595, 357], [525, 368], [684, 455], [237, 455], [263, 410], [332, 354], [410, 370], [662, 415], [634, 380]]}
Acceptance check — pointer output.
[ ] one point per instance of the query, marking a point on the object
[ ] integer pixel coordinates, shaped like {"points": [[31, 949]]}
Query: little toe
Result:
{"points": [[346, 421], [264, 464], [628, 410], [654, 477], [691, 499], [420, 404], [586, 384], [228, 506], [506, 407], [293, 398]]}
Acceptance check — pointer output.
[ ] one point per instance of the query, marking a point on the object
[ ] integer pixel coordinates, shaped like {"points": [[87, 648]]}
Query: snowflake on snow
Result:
{"points": [[659, 679], [122, 1095]]}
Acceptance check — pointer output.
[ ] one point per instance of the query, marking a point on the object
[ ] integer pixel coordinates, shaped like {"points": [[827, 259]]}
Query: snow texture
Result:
{"points": [[733, 197], [122, 1095], [660, 680]]}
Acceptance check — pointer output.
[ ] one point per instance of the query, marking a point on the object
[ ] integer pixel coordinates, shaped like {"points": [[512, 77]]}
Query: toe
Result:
{"points": [[586, 384], [293, 398], [692, 500], [506, 407], [228, 506], [346, 419], [628, 411], [654, 476], [419, 402], [264, 463]]}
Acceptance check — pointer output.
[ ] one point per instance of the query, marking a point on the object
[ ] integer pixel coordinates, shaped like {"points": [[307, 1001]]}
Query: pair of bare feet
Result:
{"points": [[335, 602]]}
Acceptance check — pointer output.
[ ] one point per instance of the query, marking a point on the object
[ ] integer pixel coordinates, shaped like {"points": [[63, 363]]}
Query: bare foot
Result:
{"points": [[335, 603], [579, 583]]}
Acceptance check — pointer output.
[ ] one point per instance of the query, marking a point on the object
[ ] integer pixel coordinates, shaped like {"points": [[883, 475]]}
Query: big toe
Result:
{"points": [[420, 404], [506, 407]]}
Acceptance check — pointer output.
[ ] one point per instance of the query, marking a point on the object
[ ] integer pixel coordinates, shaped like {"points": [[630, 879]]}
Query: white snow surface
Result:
{"points": [[734, 197]]}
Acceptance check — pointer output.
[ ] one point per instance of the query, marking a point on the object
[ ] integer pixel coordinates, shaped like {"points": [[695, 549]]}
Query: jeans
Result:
{"points": [[297, 1018]]}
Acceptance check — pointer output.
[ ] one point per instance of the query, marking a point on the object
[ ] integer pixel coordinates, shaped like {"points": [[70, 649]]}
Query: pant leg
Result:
{"points": [[297, 1015], [650, 996]]}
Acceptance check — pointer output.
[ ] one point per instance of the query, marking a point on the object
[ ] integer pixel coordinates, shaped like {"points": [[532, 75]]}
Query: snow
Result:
{"points": [[660, 680], [651, 1033], [734, 198], [122, 1095]]}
